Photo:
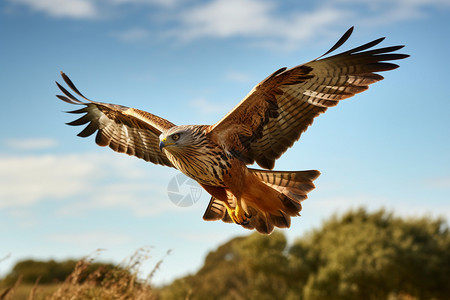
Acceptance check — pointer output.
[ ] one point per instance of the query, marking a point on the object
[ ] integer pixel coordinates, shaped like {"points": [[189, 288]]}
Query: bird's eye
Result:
{"points": [[175, 136]]}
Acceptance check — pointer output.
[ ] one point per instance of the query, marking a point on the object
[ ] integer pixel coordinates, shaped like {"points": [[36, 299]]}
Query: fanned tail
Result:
{"points": [[293, 186], [291, 189]]}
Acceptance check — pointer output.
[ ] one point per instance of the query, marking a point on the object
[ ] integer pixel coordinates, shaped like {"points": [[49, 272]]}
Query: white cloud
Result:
{"points": [[31, 144], [77, 9], [87, 9], [224, 18], [406, 208], [163, 3], [387, 12], [255, 19], [143, 199], [25, 218], [238, 77], [132, 35], [261, 22], [440, 183], [86, 239], [25, 180], [86, 181], [204, 106]]}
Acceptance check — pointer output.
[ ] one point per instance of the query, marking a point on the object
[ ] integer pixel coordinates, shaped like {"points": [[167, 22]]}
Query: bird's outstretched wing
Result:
{"points": [[125, 130], [280, 108]]}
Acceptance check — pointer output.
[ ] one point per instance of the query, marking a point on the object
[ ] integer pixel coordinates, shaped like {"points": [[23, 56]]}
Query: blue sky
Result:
{"points": [[190, 62]]}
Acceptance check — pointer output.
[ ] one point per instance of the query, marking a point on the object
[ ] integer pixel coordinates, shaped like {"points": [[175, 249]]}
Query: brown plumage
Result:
{"points": [[259, 129]]}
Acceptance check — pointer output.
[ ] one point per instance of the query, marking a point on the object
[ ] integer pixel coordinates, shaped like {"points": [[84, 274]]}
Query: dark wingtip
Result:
{"points": [[65, 77], [68, 96], [60, 86], [341, 41], [72, 85]]}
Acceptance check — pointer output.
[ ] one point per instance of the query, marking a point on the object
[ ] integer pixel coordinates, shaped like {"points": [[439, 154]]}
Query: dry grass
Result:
{"points": [[116, 283]]}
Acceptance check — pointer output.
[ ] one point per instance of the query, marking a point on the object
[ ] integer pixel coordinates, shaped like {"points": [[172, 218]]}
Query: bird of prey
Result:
{"points": [[258, 130]]}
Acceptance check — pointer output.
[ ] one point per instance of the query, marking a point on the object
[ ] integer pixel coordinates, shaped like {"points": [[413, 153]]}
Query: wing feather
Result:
{"points": [[280, 108], [123, 129]]}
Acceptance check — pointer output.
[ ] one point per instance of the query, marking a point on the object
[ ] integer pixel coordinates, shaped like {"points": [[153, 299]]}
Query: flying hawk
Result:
{"points": [[259, 129]]}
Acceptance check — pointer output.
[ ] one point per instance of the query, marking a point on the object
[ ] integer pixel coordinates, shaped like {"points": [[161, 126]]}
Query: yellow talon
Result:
{"points": [[230, 212], [238, 215]]}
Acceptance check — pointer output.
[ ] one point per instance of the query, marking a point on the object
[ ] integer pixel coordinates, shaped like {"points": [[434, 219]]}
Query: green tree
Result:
{"points": [[374, 256], [47, 271], [359, 255], [267, 266], [249, 267], [52, 271]]}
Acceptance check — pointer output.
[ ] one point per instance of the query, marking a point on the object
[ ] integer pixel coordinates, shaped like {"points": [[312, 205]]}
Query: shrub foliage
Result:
{"points": [[359, 255]]}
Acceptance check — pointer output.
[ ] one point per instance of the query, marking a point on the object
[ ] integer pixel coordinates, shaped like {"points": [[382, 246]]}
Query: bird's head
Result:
{"points": [[175, 138]]}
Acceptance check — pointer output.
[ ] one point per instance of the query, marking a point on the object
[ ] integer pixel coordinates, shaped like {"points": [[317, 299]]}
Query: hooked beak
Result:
{"points": [[163, 143]]}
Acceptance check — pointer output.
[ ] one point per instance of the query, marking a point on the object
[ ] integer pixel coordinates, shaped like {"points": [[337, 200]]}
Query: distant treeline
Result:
{"points": [[30, 271], [359, 255], [83, 279]]}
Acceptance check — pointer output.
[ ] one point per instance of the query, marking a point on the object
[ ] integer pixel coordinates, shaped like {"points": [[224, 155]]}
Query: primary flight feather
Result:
{"points": [[259, 129]]}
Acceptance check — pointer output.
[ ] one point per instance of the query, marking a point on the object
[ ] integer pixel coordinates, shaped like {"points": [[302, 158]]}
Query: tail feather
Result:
{"points": [[261, 222], [282, 221], [286, 178], [292, 187], [292, 205], [216, 210], [298, 182]]}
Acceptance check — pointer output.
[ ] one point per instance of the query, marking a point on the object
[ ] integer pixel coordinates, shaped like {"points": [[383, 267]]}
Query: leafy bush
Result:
{"points": [[50, 271], [359, 255]]}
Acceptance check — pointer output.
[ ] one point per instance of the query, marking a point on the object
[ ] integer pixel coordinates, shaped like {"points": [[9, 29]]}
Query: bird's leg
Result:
{"points": [[236, 179], [238, 214]]}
